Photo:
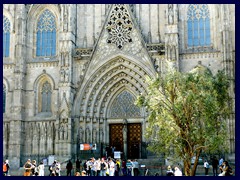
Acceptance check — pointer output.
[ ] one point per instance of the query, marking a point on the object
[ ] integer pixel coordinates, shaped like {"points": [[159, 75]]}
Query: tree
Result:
{"points": [[187, 115]]}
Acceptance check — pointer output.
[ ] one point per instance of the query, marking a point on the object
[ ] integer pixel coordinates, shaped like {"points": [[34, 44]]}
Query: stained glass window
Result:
{"points": [[46, 34], [123, 106], [198, 22], [46, 97], [4, 98], [6, 36]]}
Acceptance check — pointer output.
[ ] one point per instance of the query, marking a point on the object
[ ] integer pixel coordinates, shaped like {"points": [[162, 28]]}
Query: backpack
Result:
{"points": [[4, 167]]}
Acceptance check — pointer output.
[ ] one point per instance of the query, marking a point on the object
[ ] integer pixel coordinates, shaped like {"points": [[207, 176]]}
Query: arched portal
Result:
{"points": [[106, 101], [126, 136]]}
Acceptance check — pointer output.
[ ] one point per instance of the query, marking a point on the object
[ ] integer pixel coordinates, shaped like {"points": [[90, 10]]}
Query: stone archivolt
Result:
{"points": [[111, 79]]}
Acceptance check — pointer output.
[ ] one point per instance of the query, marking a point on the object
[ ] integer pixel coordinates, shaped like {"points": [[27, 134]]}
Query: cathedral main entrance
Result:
{"points": [[133, 138]]}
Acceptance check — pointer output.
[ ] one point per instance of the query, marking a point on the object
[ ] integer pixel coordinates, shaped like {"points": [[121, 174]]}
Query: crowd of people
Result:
{"points": [[109, 167], [222, 166]]}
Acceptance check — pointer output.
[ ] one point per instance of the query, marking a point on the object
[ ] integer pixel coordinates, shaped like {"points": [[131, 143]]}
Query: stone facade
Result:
{"points": [[103, 55]]}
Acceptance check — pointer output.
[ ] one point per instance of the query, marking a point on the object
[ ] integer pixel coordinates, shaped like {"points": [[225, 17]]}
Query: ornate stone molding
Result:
{"points": [[8, 66], [156, 48], [42, 64], [201, 55], [82, 52]]}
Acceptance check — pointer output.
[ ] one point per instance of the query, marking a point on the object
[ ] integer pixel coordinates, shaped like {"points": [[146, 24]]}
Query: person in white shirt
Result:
{"points": [[41, 169], [112, 167], [206, 167], [177, 172]]}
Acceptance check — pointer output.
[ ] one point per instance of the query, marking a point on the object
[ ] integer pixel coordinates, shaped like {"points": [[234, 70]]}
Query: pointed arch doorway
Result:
{"points": [[126, 134]]}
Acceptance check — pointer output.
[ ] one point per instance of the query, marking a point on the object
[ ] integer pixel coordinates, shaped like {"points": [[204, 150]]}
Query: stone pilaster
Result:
{"points": [[67, 43], [18, 109], [228, 67], [171, 37]]}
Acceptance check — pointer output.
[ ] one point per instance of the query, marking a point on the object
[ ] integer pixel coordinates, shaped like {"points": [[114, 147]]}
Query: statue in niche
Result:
{"points": [[66, 59], [60, 133], [67, 75], [62, 58], [94, 135], [81, 135], [101, 135], [65, 17], [62, 74], [170, 14]]}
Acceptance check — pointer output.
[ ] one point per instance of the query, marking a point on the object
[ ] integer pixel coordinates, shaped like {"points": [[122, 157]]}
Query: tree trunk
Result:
{"points": [[194, 168], [187, 167]]}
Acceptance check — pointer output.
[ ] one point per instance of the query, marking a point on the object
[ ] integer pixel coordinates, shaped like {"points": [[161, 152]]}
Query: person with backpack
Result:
{"points": [[6, 168]]}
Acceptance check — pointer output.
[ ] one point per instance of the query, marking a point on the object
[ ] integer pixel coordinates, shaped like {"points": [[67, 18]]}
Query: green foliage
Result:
{"points": [[187, 113]]}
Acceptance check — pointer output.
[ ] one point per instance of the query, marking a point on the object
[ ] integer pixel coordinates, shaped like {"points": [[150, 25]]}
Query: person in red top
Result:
{"points": [[5, 168]]}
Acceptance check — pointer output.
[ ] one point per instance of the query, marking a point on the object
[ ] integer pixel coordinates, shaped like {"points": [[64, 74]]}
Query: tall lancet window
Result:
{"points": [[6, 36], [46, 97], [46, 34], [198, 22], [4, 98]]}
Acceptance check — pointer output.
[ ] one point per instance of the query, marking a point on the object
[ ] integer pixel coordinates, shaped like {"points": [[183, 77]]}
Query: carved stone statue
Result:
{"points": [[62, 74], [66, 75], [170, 14]]}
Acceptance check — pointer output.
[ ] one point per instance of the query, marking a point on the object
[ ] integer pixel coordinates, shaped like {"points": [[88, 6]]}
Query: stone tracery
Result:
{"points": [[119, 26]]}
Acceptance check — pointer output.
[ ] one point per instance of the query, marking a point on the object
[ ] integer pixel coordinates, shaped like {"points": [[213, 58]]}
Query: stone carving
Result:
{"points": [[62, 74], [65, 59], [170, 14], [171, 47], [119, 26], [67, 75], [65, 17], [81, 133]]}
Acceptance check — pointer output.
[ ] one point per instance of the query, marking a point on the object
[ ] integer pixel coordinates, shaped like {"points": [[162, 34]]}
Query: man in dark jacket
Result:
{"points": [[69, 167], [78, 165], [215, 166]]}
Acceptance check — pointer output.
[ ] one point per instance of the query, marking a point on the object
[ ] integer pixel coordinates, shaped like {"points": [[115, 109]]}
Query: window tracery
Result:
{"points": [[123, 106], [119, 26], [46, 97], [6, 36], [46, 34], [198, 21]]}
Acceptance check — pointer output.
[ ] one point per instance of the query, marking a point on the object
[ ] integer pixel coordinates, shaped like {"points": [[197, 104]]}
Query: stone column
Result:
{"points": [[125, 137]]}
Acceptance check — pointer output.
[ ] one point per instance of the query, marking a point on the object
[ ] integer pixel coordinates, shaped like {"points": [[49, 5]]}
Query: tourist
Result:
{"points": [[177, 172], [215, 166], [41, 169], [6, 168], [69, 167], [169, 171], [206, 167], [27, 168]]}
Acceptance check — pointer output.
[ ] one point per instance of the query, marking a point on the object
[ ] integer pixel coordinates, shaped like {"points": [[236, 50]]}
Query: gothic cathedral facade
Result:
{"points": [[72, 72]]}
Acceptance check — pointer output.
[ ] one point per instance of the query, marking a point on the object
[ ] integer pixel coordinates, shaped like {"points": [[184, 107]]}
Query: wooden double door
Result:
{"points": [[133, 138]]}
